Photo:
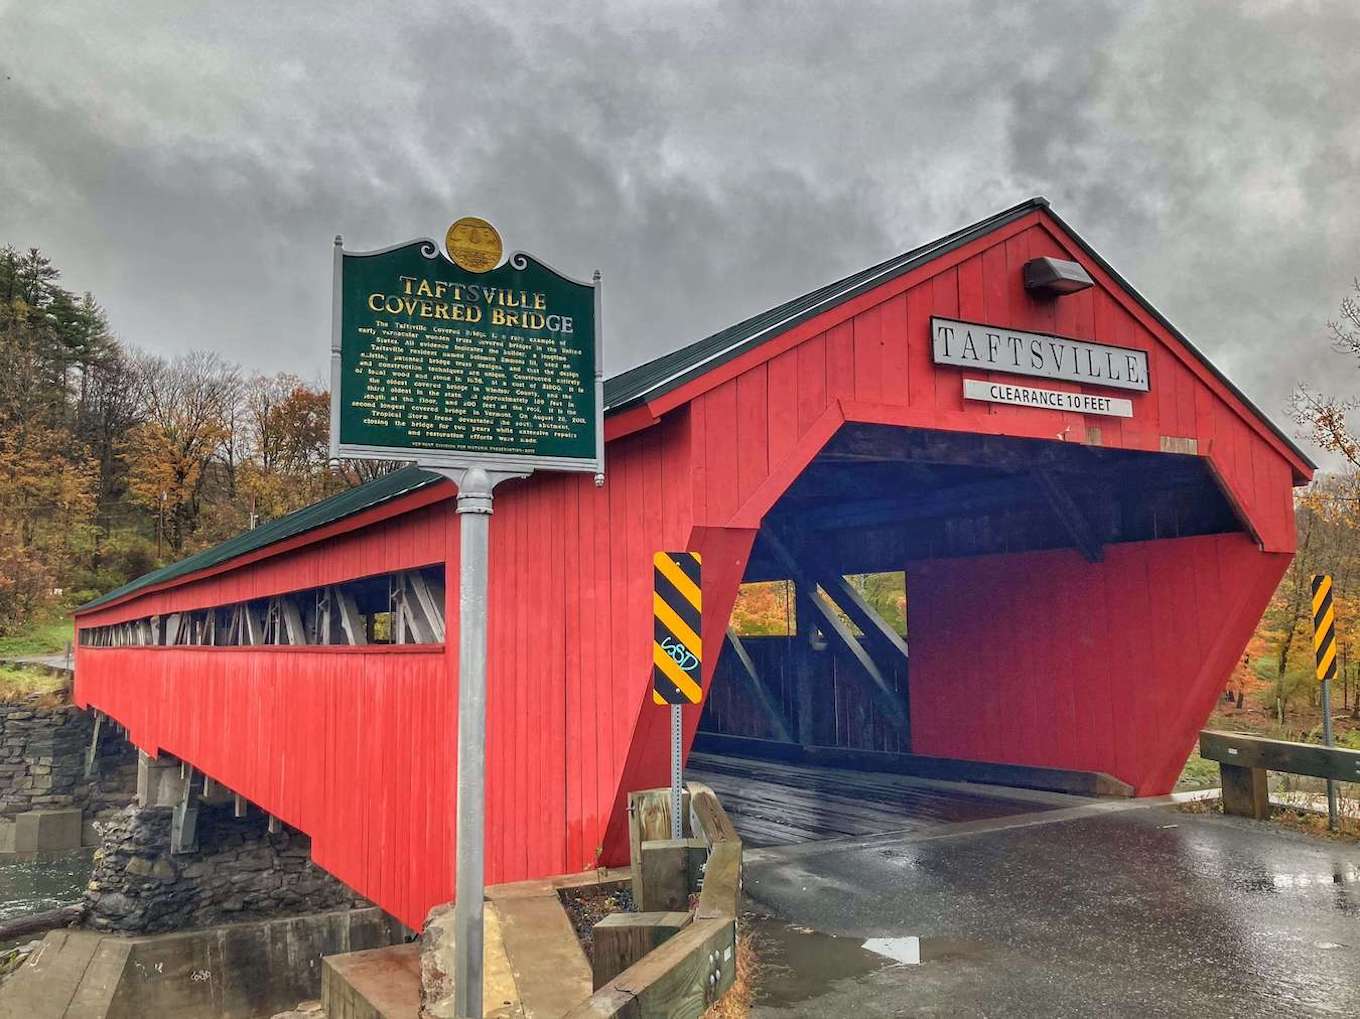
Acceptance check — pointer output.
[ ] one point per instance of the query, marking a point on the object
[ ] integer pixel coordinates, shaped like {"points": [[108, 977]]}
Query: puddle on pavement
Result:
{"points": [[798, 963], [1265, 881], [951, 950]]}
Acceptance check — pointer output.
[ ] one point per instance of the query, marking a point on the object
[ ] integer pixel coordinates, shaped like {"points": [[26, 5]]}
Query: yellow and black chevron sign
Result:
{"points": [[1324, 627], [677, 632]]}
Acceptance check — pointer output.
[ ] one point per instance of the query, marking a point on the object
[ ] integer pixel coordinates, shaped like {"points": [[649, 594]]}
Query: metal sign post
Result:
{"points": [[482, 370], [677, 730], [475, 488], [677, 651], [1324, 647]]}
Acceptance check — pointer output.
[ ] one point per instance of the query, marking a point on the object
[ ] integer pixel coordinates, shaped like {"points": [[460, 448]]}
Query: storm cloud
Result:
{"points": [[191, 168]]}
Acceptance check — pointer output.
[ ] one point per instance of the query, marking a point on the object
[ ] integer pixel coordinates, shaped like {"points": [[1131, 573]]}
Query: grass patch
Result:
{"points": [[1309, 822], [46, 638], [1198, 774], [737, 1002], [16, 684]]}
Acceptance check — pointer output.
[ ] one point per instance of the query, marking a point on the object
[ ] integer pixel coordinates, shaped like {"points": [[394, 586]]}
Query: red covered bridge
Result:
{"points": [[1079, 584]]}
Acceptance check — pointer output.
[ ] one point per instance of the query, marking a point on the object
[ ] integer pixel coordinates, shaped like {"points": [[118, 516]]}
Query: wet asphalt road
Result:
{"points": [[1144, 912]]}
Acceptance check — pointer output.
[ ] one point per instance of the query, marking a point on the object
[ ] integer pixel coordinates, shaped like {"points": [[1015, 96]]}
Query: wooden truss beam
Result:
{"points": [[254, 623], [957, 500], [1079, 528], [778, 722], [430, 595], [323, 615], [888, 641], [351, 623], [411, 620], [879, 688]]}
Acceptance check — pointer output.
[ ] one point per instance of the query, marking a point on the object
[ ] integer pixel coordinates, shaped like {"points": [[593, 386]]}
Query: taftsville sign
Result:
{"points": [[996, 348], [455, 365]]}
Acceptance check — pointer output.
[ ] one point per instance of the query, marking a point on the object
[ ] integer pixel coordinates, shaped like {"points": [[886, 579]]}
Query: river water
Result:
{"points": [[43, 882]]}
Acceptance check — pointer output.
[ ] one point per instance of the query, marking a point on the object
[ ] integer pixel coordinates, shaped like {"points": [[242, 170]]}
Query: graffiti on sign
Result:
{"points": [[677, 642]]}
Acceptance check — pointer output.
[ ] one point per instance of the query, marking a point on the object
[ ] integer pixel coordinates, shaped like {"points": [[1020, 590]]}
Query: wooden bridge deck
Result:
{"points": [[777, 804]]}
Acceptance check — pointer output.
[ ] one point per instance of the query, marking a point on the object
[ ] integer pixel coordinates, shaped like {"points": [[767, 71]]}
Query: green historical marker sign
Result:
{"points": [[465, 362], [482, 371]]}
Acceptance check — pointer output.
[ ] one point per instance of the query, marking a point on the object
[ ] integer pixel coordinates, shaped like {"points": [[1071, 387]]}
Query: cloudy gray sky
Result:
{"points": [[712, 159]]}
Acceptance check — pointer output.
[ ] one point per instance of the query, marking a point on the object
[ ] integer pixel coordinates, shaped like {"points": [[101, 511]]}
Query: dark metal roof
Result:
{"points": [[354, 500], [673, 370], [669, 372]]}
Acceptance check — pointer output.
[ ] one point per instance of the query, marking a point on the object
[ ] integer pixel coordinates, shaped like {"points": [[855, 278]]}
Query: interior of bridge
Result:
{"points": [[886, 500]]}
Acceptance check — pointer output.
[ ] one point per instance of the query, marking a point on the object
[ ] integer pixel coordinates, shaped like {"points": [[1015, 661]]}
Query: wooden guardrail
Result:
{"points": [[1244, 759], [684, 959]]}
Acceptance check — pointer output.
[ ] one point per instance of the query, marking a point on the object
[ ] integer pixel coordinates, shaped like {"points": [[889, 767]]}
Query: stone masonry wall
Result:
{"points": [[240, 872], [42, 760]]}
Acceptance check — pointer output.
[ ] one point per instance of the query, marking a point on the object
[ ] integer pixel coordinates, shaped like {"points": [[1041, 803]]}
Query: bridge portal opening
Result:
{"points": [[947, 605]]}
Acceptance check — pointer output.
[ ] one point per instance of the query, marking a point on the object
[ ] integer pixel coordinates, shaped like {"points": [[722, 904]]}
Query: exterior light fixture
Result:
{"points": [[1052, 277]]}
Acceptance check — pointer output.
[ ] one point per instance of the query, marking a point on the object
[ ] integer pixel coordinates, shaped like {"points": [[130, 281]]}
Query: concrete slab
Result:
{"points": [[381, 983], [500, 996], [44, 986], [158, 781], [43, 831], [236, 971]]}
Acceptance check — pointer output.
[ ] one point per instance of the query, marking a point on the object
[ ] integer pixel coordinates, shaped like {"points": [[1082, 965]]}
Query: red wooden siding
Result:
{"points": [[570, 646], [356, 747], [1042, 658], [350, 746]]}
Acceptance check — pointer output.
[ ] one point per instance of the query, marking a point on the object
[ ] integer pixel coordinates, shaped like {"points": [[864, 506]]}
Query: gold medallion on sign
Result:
{"points": [[473, 244]]}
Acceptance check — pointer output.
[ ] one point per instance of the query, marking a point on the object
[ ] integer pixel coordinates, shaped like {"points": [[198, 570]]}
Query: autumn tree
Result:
{"points": [[763, 609], [1327, 415], [287, 445], [46, 479], [187, 406], [113, 461]]}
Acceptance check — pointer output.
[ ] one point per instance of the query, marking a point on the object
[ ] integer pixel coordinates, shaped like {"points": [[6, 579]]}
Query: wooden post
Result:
{"points": [[621, 939], [802, 665], [92, 752], [1245, 791], [671, 869], [649, 818]]}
